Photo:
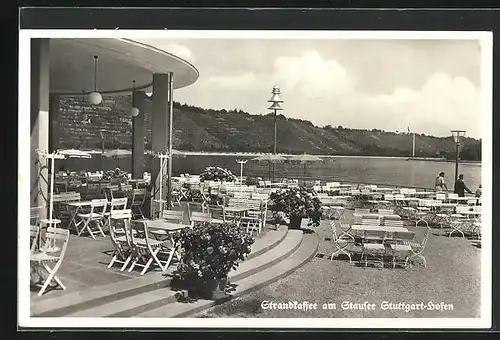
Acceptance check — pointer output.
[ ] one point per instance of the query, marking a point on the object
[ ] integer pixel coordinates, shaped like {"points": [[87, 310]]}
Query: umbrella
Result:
{"points": [[305, 159], [74, 153], [270, 158], [117, 154]]}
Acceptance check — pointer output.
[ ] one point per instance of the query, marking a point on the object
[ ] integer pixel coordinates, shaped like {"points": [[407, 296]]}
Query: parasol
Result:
{"points": [[117, 154], [270, 158], [305, 159], [74, 153]]}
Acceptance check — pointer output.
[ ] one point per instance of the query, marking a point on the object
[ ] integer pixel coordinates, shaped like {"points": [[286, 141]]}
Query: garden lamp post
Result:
{"points": [[241, 162], [457, 138], [275, 107]]}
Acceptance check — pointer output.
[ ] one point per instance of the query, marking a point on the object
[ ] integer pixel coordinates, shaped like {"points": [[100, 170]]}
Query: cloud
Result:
{"points": [[312, 76], [326, 93], [443, 103]]}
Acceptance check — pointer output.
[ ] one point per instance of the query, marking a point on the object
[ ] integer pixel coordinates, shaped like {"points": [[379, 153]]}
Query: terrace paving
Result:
{"points": [[85, 267]]}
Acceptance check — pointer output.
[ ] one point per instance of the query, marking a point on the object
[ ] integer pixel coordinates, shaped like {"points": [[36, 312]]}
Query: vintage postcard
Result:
{"points": [[278, 179]]}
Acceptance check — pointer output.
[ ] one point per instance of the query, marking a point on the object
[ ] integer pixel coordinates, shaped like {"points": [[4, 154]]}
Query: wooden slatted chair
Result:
{"points": [[386, 211], [400, 245], [216, 213], [197, 218], [393, 223], [373, 246], [146, 248], [34, 233], [255, 218], [138, 199], [120, 234], [56, 242], [35, 215], [116, 204], [94, 218]]}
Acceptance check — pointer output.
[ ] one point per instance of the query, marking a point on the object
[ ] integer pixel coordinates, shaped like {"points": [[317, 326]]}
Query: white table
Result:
{"points": [[362, 227], [379, 216]]}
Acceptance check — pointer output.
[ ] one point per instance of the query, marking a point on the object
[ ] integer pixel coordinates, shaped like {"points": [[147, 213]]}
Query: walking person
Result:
{"points": [[439, 183], [479, 192], [460, 187]]}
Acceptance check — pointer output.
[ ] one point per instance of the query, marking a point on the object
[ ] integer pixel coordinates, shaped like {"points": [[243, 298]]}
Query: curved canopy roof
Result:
{"points": [[120, 62]]}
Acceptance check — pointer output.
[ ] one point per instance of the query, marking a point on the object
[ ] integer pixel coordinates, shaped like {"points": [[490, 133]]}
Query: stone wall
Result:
{"points": [[80, 123]]}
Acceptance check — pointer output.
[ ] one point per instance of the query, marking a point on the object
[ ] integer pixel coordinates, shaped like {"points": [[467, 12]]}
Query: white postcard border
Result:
{"points": [[24, 318]]}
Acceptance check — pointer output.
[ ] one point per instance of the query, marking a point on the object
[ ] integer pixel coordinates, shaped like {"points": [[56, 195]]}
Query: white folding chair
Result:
{"points": [[452, 198], [34, 234], [52, 252], [373, 246], [401, 245], [116, 204], [393, 223], [197, 218], [385, 211], [119, 231], [147, 249], [93, 218], [216, 214], [370, 221], [138, 199]]}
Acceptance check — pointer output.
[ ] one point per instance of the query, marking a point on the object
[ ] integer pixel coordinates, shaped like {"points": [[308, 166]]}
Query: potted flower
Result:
{"points": [[116, 176], [215, 173], [210, 252], [296, 204]]}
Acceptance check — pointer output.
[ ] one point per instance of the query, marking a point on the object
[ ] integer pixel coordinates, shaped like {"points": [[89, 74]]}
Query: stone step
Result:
{"points": [[146, 301], [268, 241], [303, 254], [99, 296], [131, 305], [249, 267], [135, 304]]}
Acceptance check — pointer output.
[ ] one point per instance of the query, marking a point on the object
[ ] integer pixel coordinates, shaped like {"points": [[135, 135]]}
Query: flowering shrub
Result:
{"points": [[211, 251], [215, 173], [296, 203], [116, 174]]}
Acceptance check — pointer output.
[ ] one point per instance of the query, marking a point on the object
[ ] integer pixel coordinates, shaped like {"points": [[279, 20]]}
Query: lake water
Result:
{"points": [[391, 171]]}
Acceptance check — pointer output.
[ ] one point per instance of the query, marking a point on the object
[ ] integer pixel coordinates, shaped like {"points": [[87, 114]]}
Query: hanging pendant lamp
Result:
{"points": [[134, 111], [95, 97]]}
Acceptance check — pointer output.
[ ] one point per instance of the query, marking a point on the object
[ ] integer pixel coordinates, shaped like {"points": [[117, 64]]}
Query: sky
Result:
{"points": [[427, 86]]}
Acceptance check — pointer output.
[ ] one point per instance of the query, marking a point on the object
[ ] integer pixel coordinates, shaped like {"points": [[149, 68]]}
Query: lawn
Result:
{"points": [[450, 281]]}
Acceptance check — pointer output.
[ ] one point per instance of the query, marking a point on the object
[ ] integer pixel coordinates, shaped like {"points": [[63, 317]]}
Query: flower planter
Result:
{"points": [[214, 289], [295, 222], [209, 251]]}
